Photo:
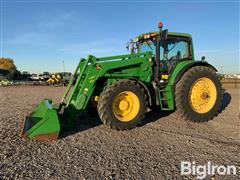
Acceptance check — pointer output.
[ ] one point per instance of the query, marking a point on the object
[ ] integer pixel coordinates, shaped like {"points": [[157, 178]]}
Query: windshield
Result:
{"points": [[170, 49], [147, 46]]}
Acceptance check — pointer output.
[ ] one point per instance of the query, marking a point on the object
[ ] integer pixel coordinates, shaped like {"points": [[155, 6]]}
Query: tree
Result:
{"points": [[8, 64]]}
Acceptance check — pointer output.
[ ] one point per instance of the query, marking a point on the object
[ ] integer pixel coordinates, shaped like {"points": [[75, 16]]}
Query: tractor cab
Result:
{"points": [[177, 46], [173, 48]]}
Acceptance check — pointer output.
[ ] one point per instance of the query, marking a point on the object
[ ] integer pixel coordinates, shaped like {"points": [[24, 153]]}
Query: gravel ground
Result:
{"points": [[93, 151]]}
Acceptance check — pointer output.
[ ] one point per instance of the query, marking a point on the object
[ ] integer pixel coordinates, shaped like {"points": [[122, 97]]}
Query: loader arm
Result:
{"points": [[91, 69]]}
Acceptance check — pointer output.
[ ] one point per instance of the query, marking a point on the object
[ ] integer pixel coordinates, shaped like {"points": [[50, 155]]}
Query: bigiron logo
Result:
{"points": [[201, 171]]}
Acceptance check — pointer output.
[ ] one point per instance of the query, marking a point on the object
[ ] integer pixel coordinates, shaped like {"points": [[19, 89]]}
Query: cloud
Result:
{"points": [[56, 19], [32, 38], [44, 30], [99, 47]]}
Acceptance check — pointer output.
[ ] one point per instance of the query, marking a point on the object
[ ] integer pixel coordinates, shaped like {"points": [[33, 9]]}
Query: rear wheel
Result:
{"points": [[198, 94], [122, 105]]}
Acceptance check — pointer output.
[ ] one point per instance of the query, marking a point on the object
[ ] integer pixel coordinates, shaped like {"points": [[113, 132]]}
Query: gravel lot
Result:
{"points": [[93, 151]]}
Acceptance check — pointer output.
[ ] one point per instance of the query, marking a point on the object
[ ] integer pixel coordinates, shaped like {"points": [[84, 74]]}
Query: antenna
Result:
{"points": [[221, 69]]}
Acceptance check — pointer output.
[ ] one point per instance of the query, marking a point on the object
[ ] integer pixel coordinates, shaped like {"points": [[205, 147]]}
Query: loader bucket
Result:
{"points": [[42, 124]]}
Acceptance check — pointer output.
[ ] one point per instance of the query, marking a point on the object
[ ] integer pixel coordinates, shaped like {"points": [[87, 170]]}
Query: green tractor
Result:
{"points": [[160, 73]]}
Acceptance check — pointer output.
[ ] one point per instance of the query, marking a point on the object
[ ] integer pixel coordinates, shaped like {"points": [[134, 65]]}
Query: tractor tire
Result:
{"points": [[122, 105], [198, 94]]}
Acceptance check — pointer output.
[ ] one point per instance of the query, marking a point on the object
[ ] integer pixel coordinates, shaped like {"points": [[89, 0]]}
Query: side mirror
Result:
{"points": [[203, 58], [132, 46], [127, 46], [165, 34]]}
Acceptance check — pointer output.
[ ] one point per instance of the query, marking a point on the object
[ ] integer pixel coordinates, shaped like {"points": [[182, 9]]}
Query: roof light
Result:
{"points": [[160, 25], [153, 34]]}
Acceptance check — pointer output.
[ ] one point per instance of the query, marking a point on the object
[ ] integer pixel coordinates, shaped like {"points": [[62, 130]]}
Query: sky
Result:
{"points": [[51, 35]]}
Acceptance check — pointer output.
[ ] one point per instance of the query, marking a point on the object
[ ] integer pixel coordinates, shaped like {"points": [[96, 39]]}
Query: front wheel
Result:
{"points": [[122, 105], [198, 94]]}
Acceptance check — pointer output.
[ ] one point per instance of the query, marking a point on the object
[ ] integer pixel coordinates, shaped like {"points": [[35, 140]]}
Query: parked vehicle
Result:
{"points": [[46, 75], [26, 75], [5, 82], [34, 77]]}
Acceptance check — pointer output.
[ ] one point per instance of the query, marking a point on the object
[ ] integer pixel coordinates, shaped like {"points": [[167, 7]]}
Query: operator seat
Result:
{"points": [[173, 61]]}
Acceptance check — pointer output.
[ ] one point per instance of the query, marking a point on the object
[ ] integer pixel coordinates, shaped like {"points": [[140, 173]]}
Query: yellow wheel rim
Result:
{"points": [[126, 106], [203, 95]]}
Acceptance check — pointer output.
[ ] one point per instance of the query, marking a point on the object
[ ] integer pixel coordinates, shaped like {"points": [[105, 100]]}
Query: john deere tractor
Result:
{"points": [[160, 73]]}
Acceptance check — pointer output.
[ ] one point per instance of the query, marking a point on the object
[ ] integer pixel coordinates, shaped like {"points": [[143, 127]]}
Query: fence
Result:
{"points": [[233, 82]]}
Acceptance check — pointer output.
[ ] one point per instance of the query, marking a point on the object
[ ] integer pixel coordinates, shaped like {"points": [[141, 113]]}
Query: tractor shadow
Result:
{"points": [[226, 100], [155, 115], [88, 121], [152, 116]]}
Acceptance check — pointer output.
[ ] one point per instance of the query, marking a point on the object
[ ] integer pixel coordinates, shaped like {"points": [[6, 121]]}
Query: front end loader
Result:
{"points": [[160, 73], [47, 119], [43, 123]]}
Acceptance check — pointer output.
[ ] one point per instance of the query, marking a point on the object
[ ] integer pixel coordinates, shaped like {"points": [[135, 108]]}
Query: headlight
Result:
{"points": [[147, 36]]}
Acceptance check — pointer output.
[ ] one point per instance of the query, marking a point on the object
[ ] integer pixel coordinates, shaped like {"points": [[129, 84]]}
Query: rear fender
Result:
{"points": [[182, 67]]}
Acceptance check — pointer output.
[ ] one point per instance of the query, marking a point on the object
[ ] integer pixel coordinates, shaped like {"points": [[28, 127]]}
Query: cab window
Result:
{"points": [[148, 46], [174, 49]]}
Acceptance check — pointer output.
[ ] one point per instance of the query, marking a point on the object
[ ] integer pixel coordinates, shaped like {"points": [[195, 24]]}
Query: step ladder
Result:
{"points": [[166, 98]]}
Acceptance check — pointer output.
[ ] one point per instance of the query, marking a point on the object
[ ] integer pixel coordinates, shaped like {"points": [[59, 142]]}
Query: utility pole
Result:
{"points": [[64, 68]]}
